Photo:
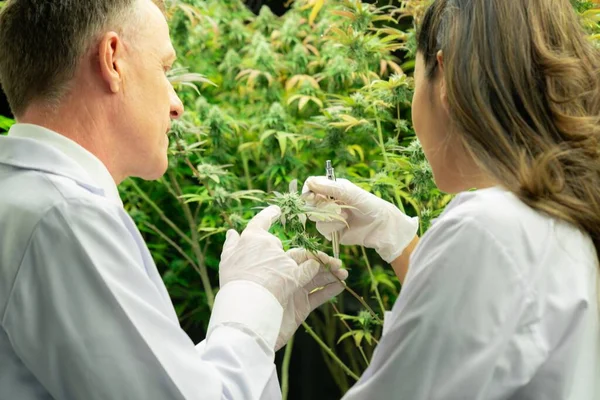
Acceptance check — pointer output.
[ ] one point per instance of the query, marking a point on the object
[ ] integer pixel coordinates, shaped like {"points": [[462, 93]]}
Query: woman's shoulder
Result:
{"points": [[528, 235], [493, 205], [499, 212]]}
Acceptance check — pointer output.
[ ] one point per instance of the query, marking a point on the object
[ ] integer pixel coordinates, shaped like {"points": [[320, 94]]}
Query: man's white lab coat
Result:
{"points": [[84, 313]]}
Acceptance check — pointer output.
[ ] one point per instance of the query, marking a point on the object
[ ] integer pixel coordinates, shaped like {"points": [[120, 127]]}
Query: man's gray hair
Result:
{"points": [[42, 42]]}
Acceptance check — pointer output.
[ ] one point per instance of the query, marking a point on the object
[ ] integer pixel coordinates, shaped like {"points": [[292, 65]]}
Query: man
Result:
{"points": [[83, 311]]}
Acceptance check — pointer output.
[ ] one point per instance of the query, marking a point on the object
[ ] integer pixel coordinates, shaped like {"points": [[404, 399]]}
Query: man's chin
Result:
{"points": [[158, 170]]}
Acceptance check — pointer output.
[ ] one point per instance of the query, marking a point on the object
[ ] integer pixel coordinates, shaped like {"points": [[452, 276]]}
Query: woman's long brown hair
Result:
{"points": [[523, 85]]}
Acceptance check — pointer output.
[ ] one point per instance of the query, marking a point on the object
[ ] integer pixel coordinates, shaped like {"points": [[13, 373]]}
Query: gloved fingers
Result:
{"points": [[331, 263], [265, 238], [342, 274], [341, 189], [307, 194], [319, 201], [301, 255], [328, 210], [231, 240], [321, 296], [264, 219], [325, 277], [312, 199], [258, 227], [306, 272], [327, 228]]}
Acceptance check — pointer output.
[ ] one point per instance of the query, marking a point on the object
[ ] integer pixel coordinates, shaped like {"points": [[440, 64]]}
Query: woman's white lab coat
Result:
{"points": [[500, 302]]}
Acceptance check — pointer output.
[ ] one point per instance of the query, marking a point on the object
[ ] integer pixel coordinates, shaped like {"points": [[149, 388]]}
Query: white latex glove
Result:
{"points": [[306, 299], [258, 256], [372, 222]]}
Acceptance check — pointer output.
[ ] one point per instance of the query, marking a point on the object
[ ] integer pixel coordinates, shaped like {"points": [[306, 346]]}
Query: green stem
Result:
{"points": [[173, 244], [377, 294], [386, 160], [362, 301], [399, 200], [207, 186], [328, 329], [330, 352], [169, 188], [210, 296], [285, 369], [352, 292], [246, 170], [360, 348], [381, 143], [160, 212]]}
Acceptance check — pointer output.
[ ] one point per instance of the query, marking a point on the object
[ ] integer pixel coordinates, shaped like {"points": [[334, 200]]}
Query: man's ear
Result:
{"points": [[442, 80], [110, 54]]}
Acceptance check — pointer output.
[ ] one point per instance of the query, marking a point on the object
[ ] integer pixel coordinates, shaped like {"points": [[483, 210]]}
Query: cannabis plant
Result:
{"points": [[268, 100]]}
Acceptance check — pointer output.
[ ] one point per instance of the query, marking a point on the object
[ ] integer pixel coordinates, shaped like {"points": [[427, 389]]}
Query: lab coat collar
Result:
{"points": [[464, 197], [35, 147]]}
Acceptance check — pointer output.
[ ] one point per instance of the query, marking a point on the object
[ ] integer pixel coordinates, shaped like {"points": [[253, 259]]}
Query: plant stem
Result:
{"points": [[169, 188], [360, 348], [246, 170], [285, 369], [210, 296], [375, 288], [330, 352], [174, 245], [386, 160], [352, 292], [381, 144], [160, 212], [362, 301], [326, 329], [210, 192], [399, 200]]}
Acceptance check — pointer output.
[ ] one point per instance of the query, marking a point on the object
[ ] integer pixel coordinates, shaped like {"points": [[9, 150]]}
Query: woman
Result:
{"points": [[501, 297]]}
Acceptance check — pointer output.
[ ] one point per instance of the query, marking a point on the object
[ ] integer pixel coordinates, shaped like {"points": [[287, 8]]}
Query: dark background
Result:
{"points": [[4, 110]]}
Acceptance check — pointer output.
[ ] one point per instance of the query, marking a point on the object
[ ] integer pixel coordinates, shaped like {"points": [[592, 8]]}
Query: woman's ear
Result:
{"points": [[442, 80]]}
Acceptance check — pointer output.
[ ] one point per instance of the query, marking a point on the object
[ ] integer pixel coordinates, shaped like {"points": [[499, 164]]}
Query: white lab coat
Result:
{"points": [[500, 302], [84, 312]]}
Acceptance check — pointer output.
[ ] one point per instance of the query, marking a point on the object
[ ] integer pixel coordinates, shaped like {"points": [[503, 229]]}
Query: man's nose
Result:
{"points": [[176, 106]]}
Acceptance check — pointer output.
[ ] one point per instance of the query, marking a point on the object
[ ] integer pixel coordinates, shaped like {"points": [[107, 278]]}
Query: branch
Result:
{"points": [[285, 369], [160, 212], [173, 244], [377, 295], [195, 242], [360, 348], [330, 352]]}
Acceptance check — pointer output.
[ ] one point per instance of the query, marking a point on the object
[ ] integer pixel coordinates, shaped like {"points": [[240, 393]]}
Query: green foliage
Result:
{"points": [[582, 5], [269, 99], [5, 123], [323, 82]]}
